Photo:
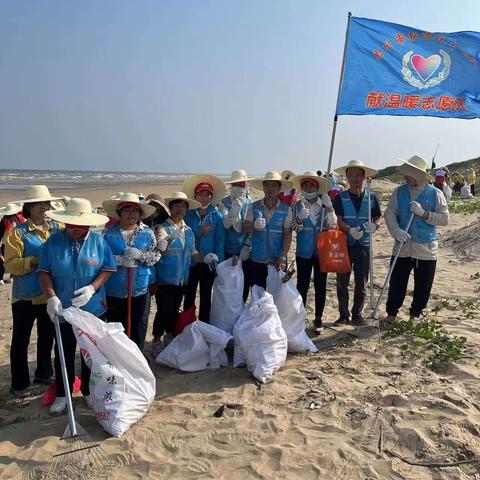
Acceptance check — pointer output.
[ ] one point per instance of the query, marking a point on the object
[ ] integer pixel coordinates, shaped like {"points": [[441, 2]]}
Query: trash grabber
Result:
{"points": [[392, 266], [129, 302], [370, 242]]}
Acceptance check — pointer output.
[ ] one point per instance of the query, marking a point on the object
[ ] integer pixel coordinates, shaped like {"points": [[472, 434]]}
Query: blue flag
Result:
{"points": [[392, 69]]}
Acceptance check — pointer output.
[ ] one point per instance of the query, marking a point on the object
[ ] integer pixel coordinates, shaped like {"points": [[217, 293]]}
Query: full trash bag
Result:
{"points": [[227, 299], [122, 386], [291, 311], [260, 340], [198, 347]]}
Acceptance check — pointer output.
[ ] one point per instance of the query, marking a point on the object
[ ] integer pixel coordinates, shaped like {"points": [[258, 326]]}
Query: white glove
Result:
{"points": [[234, 210], [326, 200], [84, 296], [162, 244], [54, 307], [244, 253], [260, 223], [417, 209], [331, 219], [119, 260], [132, 253], [303, 213], [402, 236], [210, 257], [371, 228], [356, 233]]}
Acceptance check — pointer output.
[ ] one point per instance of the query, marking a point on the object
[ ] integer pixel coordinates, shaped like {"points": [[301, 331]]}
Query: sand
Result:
{"points": [[331, 415]]}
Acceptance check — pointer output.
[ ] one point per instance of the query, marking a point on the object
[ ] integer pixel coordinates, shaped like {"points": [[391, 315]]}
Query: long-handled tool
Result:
{"points": [[370, 243], [78, 454], [392, 266], [129, 301]]}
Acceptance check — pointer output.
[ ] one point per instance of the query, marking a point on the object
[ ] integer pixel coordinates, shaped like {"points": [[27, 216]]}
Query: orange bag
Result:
{"points": [[184, 319], [333, 252]]}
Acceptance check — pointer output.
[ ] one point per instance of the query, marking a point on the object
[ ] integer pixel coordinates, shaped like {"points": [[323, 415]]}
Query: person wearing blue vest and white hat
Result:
{"points": [[269, 220], [134, 246], [313, 212], [74, 267], [206, 222], [23, 248], [351, 207], [420, 244]]}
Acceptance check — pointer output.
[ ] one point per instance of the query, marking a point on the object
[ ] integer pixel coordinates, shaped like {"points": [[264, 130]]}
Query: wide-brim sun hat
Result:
{"points": [[38, 193], [11, 208], [415, 167], [238, 176], [155, 200], [272, 177], [78, 212], [287, 175], [111, 206], [369, 172], [212, 183], [192, 204], [299, 179]]}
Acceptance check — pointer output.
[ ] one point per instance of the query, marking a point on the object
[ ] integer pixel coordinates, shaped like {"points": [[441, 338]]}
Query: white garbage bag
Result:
{"points": [[122, 386], [227, 299], [260, 341], [291, 311], [447, 191], [198, 347], [466, 192]]}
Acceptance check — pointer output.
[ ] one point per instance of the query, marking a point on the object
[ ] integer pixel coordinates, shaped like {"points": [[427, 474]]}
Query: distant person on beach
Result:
{"points": [[10, 217], [351, 207], [23, 248], [420, 244], [472, 180], [269, 221], [459, 182]]}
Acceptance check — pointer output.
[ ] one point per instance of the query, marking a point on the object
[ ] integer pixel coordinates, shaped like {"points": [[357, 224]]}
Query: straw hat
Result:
{"points": [[38, 193], [10, 209], [369, 172], [299, 179], [272, 177], [78, 212], [287, 174], [217, 187], [111, 206], [238, 176], [155, 199], [415, 167], [192, 204]]}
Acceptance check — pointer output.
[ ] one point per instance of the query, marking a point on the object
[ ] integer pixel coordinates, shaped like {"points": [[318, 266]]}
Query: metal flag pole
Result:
{"points": [[434, 155], [335, 118], [370, 243]]}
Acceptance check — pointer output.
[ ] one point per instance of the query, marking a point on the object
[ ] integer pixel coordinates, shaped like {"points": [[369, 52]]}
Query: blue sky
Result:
{"points": [[202, 86]]}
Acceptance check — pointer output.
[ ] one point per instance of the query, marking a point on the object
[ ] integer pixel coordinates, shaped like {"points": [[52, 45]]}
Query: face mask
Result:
{"points": [[309, 196], [239, 192]]}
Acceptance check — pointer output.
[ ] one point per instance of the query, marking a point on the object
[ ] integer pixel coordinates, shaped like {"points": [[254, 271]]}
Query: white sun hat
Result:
{"points": [[38, 193], [111, 206], [415, 167], [212, 183], [78, 212], [11, 209], [369, 172], [192, 204], [272, 177], [299, 179], [238, 176]]}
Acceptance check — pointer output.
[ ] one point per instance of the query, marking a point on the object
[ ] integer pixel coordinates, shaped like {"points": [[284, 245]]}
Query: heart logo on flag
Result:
{"points": [[425, 67]]}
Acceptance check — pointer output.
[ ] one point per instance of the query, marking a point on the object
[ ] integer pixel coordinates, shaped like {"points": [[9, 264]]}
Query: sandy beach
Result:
{"points": [[343, 413]]}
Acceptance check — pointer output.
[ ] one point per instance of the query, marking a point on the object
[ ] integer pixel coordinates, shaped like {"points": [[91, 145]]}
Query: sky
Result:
{"points": [[203, 86]]}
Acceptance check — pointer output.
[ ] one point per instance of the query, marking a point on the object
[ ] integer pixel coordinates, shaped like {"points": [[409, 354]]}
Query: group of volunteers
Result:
{"points": [[110, 265], [464, 185]]}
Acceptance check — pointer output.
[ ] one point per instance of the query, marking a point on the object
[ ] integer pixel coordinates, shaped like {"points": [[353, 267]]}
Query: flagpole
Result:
{"points": [[340, 83]]}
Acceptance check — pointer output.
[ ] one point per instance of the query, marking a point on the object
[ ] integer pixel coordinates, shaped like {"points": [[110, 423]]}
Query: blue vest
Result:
{"points": [[233, 240], [307, 237], [356, 219], [117, 285], [27, 287], [68, 277], [174, 266], [267, 244], [214, 241], [420, 230]]}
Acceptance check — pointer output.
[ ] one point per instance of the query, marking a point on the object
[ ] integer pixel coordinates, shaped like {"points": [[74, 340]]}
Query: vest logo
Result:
{"points": [[334, 246], [91, 262]]}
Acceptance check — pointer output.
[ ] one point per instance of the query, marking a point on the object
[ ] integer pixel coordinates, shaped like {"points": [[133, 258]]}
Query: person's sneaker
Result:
{"points": [[21, 393], [318, 326], [341, 321], [58, 406], [388, 321], [44, 381], [2, 282], [358, 321], [88, 400]]}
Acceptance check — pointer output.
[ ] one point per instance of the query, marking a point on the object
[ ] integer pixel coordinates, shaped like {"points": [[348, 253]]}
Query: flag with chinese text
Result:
{"points": [[393, 69]]}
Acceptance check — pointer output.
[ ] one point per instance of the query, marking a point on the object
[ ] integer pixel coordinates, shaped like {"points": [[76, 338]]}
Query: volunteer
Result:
{"points": [[22, 254], [351, 207], [289, 196], [472, 180], [269, 221], [206, 222], [419, 251], [133, 245], [161, 211], [10, 217], [74, 266], [234, 208], [176, 241], [312, 213]]}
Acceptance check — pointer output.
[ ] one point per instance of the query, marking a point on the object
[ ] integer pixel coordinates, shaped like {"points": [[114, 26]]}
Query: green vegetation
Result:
{"points": [[457, 205]]}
